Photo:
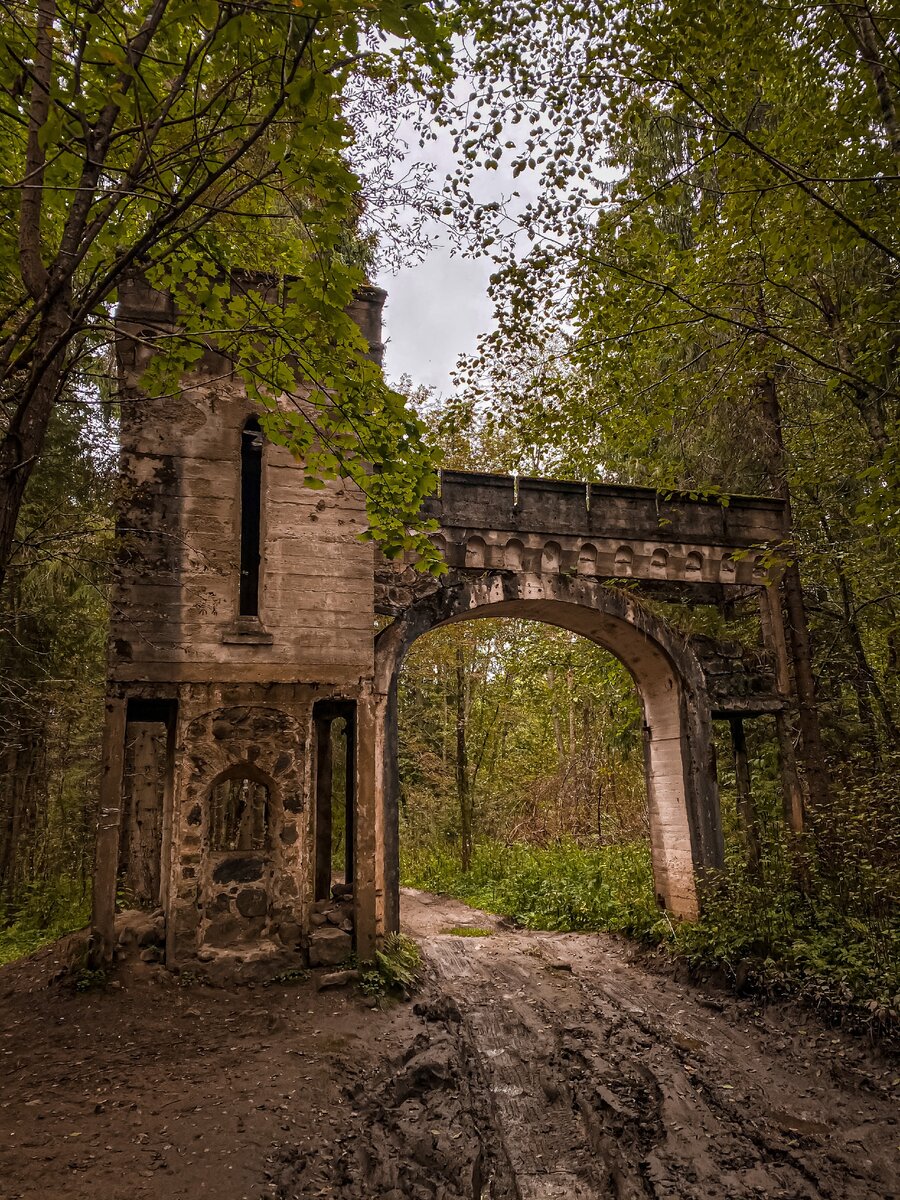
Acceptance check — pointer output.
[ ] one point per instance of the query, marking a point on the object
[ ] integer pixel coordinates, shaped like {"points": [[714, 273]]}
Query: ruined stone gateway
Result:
{"points": [[244, 625]]}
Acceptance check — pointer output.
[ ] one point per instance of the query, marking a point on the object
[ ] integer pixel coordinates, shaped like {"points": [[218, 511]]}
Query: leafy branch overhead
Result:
{"points": [[184, 141], [712, 201]]}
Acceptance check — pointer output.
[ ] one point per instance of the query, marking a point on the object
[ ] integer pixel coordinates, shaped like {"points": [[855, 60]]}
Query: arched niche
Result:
{"points": [[587, 559], [624, 561], [236, 889], [476, 552], [513, 555], [551, 556], [239, 812]]}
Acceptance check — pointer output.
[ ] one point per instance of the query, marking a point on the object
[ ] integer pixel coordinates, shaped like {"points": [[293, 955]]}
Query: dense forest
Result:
{"points": [[701, 293]]}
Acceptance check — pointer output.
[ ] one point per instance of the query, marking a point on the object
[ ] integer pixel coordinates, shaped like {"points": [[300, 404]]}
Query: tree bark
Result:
{"points": [[34, 273], [463, 791], [865, 681], [773, 637], [25, 435], [858, 21], [812, 750], [746, 806]]}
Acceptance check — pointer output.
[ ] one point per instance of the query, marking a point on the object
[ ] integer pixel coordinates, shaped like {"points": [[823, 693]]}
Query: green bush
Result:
{"points": [[50, 911], [397, 967], [797, 930]]}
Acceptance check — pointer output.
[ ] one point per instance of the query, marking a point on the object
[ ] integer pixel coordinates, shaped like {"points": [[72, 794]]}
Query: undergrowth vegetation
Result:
{"points": [[49, 911], [397, 968]]}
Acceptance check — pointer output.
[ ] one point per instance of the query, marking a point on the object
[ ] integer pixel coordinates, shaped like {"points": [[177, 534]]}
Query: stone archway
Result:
{"points": [[685, 822]]}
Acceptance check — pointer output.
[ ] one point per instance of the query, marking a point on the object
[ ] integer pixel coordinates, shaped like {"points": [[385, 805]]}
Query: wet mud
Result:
{"points": [[553, 1068], [533, 1066]]}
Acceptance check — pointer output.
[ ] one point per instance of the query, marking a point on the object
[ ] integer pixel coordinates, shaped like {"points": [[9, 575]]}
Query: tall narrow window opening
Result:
{"points": [[251, 513], [335, 727]]}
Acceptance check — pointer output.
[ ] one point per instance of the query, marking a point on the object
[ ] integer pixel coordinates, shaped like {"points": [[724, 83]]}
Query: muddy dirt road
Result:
{"points": [[530, 1067], [553, 1068]]}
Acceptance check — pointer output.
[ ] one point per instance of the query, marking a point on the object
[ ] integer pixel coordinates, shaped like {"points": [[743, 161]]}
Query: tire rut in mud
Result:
{"points": [[534, 1106], [611, 1102], [546, 1071], [422, 1129], [714, 1137]]}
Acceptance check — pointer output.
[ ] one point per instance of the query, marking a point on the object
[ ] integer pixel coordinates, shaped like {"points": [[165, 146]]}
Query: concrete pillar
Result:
{"points": [[391, 803], [671, 844], [103, 908], [368, 888], [142, 810]]}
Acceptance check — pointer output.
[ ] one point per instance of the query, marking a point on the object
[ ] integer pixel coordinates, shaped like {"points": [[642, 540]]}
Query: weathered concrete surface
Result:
{"points": [[672, 546], [685, 828]]}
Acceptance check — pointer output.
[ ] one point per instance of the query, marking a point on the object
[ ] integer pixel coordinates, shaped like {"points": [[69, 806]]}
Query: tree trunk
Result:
{"points": [[557, 728], [861, 27], [746, 806], [570, 688], [772, 621], [865, 681], [463, 791], [812, 750], [24, 437]]}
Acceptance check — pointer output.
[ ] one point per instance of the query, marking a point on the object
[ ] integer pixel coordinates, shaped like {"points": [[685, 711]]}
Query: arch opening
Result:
{"points": [[679, 764], [520, 741]]}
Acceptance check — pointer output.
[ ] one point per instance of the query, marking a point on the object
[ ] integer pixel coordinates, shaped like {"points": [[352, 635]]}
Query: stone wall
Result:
{"points": [[231, 897], [240, 688]]}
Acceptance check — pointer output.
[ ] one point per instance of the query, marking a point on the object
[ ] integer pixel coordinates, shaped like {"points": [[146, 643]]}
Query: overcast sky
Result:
{"points": [[437, 308], [434, 312]]}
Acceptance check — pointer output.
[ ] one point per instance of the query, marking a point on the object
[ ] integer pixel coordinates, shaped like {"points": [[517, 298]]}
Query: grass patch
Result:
{"points": [[564, 887], [467, 931]]}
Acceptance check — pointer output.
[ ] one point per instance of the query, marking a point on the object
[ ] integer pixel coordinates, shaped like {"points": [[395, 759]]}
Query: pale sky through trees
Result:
{"points": [[435, 308], [435, 311]]}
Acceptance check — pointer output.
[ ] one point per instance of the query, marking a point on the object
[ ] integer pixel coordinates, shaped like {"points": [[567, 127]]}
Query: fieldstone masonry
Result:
{"points": [[233, 649]]}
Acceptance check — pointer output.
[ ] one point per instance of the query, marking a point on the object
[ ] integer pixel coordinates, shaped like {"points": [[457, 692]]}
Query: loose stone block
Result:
{"points": [[328, 947], [252, 902]]}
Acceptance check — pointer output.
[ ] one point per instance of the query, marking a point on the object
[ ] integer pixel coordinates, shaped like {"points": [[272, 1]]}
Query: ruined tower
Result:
{"points": [[242, 628]]}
